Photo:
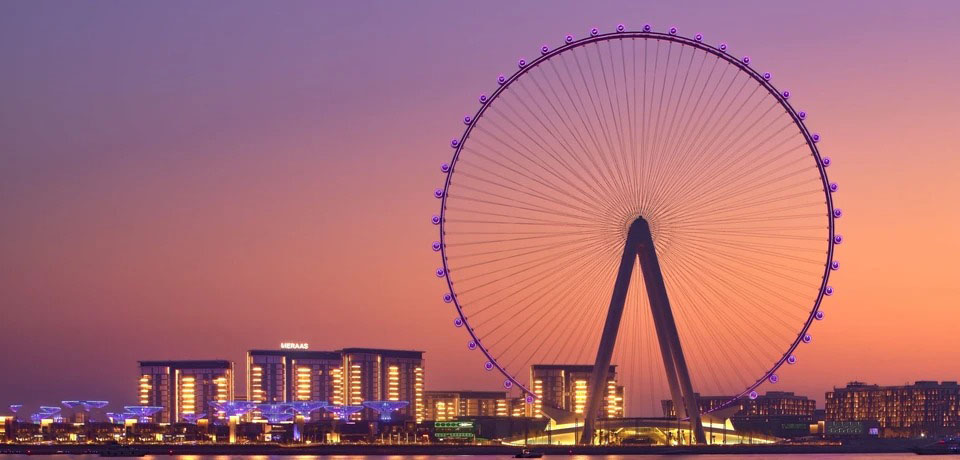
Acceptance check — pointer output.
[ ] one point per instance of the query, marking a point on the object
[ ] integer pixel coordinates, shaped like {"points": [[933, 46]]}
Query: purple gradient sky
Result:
{"points": [[193, 179]]}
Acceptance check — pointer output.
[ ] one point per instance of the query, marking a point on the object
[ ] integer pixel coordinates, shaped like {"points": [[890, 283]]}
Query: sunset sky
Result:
{"points": [[189, 180]]}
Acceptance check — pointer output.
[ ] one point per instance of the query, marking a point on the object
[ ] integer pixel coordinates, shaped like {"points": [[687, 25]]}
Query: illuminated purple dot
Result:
{"points": [[445, 167], [529, 399], [454, 143], [483, 98], [746, 60], [647, 28], [815, 137], [438, 193], [467, 119], [828, 290], [472, 345], [791, 359], [723, 47], [441, 272], [835, 265], [698, 37], [594, 32], [568, 39], [522, 63], [807, 338], [436, 246], [785, 94], [458, 322], [818, 315], [435, 220], [773, 378], [825, 161], [488, 366], [621, 27], [834, 186], [544, 49], [501, 79], [837, 212], [507, 384], [447, 298], [802, 115], [767, 76], [837, 239], [753, 395], [673, 31]]}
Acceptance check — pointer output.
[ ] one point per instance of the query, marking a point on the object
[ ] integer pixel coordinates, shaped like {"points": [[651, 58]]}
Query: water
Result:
{"points": [[491, 457]]}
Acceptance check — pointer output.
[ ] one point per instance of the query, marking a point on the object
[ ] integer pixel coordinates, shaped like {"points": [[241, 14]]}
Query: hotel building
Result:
{"points": [[372, 374], [184, 387], [567, 387], [443, 406], [277, 376], [926, 407], [773, 403]]}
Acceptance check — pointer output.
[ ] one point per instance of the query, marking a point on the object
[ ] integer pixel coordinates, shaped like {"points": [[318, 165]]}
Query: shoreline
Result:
{"points": [[434, 449]]}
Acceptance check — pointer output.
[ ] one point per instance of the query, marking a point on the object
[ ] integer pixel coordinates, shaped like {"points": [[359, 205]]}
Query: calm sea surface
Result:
{"points": [[493, 457]]}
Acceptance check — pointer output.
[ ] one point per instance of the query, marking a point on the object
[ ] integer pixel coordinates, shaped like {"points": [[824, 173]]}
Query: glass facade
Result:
{"points": [[773, 403], [926, 407], [184, 387], [567, 387]]}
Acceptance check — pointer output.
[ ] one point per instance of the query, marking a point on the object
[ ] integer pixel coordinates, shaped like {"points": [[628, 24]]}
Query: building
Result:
{"points": [[372, 374], [772, 403], [442, 406], [566, 387], [924, 408], [277, 376], [185, 387]]}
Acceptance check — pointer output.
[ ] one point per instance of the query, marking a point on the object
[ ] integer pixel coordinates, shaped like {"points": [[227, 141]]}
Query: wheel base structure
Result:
{"points": [[640, 244]]}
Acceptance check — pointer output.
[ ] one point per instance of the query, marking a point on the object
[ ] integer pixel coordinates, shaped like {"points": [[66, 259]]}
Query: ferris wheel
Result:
{"points": [[638, 146]]}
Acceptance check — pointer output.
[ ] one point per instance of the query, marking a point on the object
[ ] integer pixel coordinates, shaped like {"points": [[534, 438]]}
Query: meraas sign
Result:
{"points": [[294, 346]]}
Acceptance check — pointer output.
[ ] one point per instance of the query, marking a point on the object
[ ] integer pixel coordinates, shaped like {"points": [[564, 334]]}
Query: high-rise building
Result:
{"points": [[185, 387], [773, 403], [371, 374], [448, 405], [926, 407], [567, 387], [275, 376]]}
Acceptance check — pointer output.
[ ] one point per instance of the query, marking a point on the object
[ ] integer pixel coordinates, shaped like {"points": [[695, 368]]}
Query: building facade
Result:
{"points": [[277, 376], [772, 403], [185, 387], [926, 407], [566, 387], [443, 406], [372, 374]]}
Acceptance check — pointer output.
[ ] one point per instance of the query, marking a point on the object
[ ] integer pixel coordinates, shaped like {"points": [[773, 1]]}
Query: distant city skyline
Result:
{"points": [[190, 181]]}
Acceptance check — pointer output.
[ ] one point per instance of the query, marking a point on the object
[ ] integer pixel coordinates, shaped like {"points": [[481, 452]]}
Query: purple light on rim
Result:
{"points": [[441, 272], [568, 38], [454, 143], [458, 322], [835, 265], [435, 220], [802, 115], [621, 27], [698, 37], [544, 49], [673, 31], [438, 193], [488, 366], [529, 399], [472, 345], [837, 212], [753, 395], [447, 298], [807, 338], [828, 290], [746, 60], [837, 239], [507, 384], [594, 32], [815, 137], [773, 378], [445, 167], [791, 359], [501, 79], [767, 76], [834, 186], [818, 315], [483, 98], [647, 28], [522, 63], [825, 161], [436, 246], [467, 119], [723, 47], [785, 94]]}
